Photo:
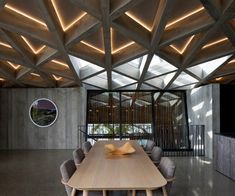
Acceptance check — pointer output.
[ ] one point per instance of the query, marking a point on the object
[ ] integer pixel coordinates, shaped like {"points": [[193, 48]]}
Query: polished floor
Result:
{"points": [[36, 172]]}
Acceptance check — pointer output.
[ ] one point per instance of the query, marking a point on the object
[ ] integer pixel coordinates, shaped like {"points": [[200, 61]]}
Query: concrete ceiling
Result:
{"points": [[117, 44]]}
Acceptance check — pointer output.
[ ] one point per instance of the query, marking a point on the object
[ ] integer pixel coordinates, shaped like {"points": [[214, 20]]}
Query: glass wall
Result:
{"points": [[136, 115]]}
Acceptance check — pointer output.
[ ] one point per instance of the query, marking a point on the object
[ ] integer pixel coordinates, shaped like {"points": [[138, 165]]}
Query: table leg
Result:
{"points": [[149, 193], [104, 193], [73, 192], [85, 193], [133, 193]]}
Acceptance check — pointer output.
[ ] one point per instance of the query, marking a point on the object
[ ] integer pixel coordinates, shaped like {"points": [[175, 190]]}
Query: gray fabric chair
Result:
{"points": [[149, 146], [67, 169], [87, 146], [167, 168], [156, 155], [78, 156]]}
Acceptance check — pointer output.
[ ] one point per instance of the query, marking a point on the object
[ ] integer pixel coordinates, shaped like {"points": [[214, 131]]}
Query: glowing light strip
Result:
{"points": [[185, 16], [218, 79], [2, 79], [215, 42], [87, 44], [60, 63], [14, 66], [65, 28], [138, 21], [123, 47], [56, 78], [34, 74], [232, 61], [185, 46], [31, 47], [25, 15], [6, 45]]}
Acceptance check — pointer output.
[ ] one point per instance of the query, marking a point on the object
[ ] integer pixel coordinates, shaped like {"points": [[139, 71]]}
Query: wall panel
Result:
{"points": [[18, 132]]}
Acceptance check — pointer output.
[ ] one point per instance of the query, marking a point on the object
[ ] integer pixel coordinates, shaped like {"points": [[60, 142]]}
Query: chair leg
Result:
{"points": [[164, 191]]}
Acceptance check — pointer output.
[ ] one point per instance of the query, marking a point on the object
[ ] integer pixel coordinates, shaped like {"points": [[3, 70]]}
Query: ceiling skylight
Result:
{"points": [[158, 66], [183, 79], [204, 69], [162, 81], [120, 80]]}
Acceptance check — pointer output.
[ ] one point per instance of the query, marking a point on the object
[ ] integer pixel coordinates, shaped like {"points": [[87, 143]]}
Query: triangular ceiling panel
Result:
{"points": [[182, 80]]}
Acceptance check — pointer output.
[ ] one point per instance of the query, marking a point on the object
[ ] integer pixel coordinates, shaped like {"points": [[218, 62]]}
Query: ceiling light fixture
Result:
{"points": [[34, 74], [184, 17], [56, 78], [219, 78], [5, 45], [185, 46], [123, 47], [60, 63], [35, 51], [13, 66], [2, 79], [65, 28], [25, 15], [91, 46], [138, 21], [215, 42]]}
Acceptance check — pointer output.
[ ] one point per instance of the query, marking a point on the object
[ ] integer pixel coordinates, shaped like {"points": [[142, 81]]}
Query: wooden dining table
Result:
{"points": [[102, 171]]}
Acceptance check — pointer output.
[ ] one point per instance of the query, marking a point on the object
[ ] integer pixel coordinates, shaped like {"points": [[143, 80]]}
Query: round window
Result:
{"points": [[43, 112]]}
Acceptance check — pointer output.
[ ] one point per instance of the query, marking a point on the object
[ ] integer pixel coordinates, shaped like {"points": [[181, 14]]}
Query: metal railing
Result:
{"points": [[175, 140]]}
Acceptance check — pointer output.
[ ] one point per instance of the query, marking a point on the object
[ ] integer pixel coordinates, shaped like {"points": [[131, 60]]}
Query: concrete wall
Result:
{"points": [[18, 132], [203, 109]]}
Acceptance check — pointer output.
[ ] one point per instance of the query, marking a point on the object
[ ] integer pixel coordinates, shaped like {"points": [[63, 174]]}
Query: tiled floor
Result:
{"points": [[36, 172]]}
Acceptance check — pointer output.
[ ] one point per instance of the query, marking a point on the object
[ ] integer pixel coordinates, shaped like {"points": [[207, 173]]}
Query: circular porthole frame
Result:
{"points": [[57, 113]]}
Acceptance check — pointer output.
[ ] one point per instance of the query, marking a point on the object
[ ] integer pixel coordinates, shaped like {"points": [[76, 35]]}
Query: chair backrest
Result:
{"points": [[78, 156], [67, 169], [86, 147], [149, 145], [167, 168], [156, 155]]}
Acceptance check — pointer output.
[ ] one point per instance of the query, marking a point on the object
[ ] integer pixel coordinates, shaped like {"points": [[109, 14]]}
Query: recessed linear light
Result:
{"points": [[5, 45], [60, 63], [25, 15], [215, 42], [56, 78], [232, 61], [123, 47], [219, 78], [34, 74], [35, 51], [138, 21], [13, 66], [185, 46], [91, 46], [64, 27], [184, 17]]}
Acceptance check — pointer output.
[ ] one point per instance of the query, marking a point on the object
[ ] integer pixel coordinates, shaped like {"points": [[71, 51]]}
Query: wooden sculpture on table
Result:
{"points": [[125, 149]]}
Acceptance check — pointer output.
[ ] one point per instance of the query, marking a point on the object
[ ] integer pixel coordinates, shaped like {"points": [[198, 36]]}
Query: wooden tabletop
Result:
{"points": [[99, 171]]}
